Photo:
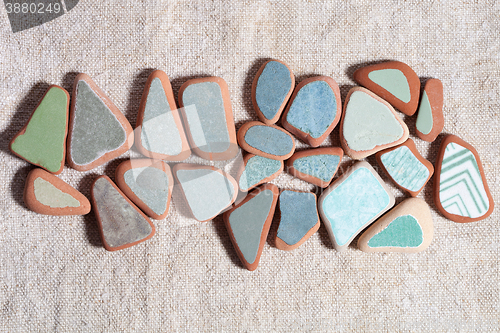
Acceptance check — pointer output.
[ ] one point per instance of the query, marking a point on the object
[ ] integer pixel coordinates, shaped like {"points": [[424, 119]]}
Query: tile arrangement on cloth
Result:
{"points": [[460, 190], [352, 202], [121, 223], [394, 81], [249, 221], [430, 120], [271, 88], [257, 170], [47, 194], [269, 141], [408, 227], [208, 117], [98, 131], [314, 110], [159, 133], [316, 166], [42, 141], [369, 124], [207, 190], [406, 167], [148, 183], [299, 219]]}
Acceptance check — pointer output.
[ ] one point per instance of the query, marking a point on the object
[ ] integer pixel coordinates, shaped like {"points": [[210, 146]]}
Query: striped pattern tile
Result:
{"points": [[405, 168], [461, 188]]}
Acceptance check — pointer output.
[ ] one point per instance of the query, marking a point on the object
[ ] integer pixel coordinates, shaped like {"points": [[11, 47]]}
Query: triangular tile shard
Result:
{"points": [[430, 120], [257, 170], [98, 131], [314, 110], [208, 191], [121, 223], [148, 183], [409, 170], [369, 124], [316, 166], [42, 141], [271, 88], [406, 228], [264, 140], [208, 117], [299, 219], [46, 194], [352, 202], [249, 221], [461, 192], [394, 81], [159, 133]]}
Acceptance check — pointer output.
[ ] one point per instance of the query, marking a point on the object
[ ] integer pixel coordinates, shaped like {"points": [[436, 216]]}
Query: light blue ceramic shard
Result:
{"points": [[272, 87], [159, 132], [320, 166], [257, 169], [404, 231], [353, 204], [206, 116], [150, 185], [313, 109], [247, 223], [299, 214], [269, 140], [405, 168], [207, 192]]}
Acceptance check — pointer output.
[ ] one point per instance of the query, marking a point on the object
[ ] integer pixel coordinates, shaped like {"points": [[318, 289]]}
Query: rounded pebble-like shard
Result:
{"points": [[148, 183], [394, 81], [266, 140], [98, 131], [46, 194], [461, 192], [314, 110], [369, 124], [352, 202], [407, 228], [249, 221], [42, 141], [271, 88], [257, 170], [316, 166], [159, 133], [208, 191], [121, 223], [406, 167], [299, 219], [430, 120], [208, 117]]}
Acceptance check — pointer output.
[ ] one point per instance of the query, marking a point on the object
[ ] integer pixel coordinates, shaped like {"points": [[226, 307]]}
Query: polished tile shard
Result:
{"points": [[121, 223], [430, 120], [42, 141], [249, 221], [258, 170], [299, 219], [353, 202], [266, 140]]}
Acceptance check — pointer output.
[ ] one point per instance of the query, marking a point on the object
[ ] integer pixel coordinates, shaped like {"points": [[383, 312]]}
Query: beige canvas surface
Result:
{"points": [[55, 275]]}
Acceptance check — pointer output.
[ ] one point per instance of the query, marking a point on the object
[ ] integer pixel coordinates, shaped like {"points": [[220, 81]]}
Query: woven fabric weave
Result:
{"points": [[55, 274]]}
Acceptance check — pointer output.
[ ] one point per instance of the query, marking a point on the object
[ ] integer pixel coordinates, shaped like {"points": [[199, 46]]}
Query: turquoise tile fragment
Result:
{"points": [[313, 109], [404, 231], [405, 168], [273, 85], [394, 81], [299, 214], [269, 140], [320, 166], [256, 169]]}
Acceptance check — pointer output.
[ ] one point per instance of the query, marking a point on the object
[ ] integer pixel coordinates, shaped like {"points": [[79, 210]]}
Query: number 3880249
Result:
{"points": [[33, 8]]}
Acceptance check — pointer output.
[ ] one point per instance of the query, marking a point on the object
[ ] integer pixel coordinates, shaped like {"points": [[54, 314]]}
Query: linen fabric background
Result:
{"points": [[55, 274]]}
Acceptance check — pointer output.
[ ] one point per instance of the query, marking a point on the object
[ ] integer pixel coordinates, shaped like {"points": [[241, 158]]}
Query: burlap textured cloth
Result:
{"points": [[56, 276]]}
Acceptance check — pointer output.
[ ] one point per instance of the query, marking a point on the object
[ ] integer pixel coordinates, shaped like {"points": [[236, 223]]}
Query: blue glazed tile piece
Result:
{"points": [[299, 219], [272, 89], [353, 202], [258, 169], [319, 166], [266, 140]]}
